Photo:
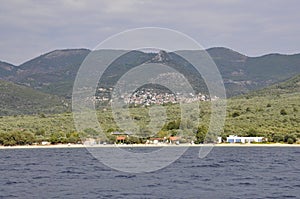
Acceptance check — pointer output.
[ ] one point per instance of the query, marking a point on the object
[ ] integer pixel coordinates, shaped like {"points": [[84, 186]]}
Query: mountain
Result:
{"points": [[17, 99], [123, 64], [289, 86], [54, 72], [274, 67], [6, 70], [242, 74]]}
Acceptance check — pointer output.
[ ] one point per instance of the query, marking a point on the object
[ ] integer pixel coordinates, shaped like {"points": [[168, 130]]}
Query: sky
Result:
{"points": [[30, 28]]}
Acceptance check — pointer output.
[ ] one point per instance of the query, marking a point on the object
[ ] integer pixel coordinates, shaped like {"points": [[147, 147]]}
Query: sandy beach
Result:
{"points": [[145, 145]]}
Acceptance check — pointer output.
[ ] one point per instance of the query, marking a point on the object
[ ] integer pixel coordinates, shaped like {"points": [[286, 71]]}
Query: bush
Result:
{"points": [[172, 125], [277, 138], [133, 140], [290, 138], [283, 112], [58, 137], [16, 138], [201, 134], [236, 114], [290, 141], [73, 137], [251, 132]]}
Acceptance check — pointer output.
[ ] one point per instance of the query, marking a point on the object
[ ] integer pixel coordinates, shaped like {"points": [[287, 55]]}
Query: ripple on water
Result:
{"points": [[74, 173]]}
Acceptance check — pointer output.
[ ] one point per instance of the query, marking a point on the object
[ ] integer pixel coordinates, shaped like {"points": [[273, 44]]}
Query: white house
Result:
{"points": [[45, 143], [237, 139]]}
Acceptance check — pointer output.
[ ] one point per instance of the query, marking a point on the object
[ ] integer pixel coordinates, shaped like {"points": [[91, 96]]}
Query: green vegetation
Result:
{"points": [[53, 72], [16, 99], [6, 69], [23, 130], [276, 118], [289, 86], [34, 116]]}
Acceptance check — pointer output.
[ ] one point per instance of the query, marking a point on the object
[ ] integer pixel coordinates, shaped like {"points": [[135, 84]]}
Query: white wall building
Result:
{"points": [[237, 139]]}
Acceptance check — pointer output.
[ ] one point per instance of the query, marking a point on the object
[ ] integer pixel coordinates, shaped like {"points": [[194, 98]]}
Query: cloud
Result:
{"points": [[31, 27]]}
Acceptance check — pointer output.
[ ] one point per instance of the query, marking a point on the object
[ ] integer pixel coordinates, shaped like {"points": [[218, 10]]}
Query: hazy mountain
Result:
{"points": [[289, 86], [134, 58], [6, 70], [242, 74], [54, 72], [17, 99]]}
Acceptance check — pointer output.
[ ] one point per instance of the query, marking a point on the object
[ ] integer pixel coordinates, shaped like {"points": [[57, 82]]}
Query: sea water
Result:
{"points": [[227, 172]]}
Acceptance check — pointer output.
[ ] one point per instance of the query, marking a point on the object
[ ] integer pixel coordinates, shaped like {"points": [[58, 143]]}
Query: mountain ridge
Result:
{"points": [[207, 49], [54, 72], [289, 86], [18, 99]]}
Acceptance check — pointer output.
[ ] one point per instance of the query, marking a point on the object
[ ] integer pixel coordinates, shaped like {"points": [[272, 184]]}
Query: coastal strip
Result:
{"points": [[143, 145]]}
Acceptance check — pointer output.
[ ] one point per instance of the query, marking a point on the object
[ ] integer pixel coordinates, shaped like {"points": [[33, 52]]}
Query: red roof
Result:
{"points": [[173, 138], [121, 137]]}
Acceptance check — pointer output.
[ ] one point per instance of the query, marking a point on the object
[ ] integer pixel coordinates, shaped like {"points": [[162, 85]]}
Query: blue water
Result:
{"points": [[227, 172]]}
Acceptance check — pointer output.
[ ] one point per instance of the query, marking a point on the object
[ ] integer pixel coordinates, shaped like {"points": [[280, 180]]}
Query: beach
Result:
{"points": [[145, 145]]}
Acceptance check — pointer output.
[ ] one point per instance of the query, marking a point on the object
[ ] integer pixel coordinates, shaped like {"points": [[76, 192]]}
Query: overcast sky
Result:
{"points": [[32, 27]]}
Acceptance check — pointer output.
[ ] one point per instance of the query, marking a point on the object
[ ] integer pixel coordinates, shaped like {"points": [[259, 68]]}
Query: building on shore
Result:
{"points": [[121, 136], [237, 139]]}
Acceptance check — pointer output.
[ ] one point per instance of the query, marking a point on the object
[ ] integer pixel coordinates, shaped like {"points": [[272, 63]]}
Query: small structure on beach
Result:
{"points": [[174, 140], [157, 140], [45, 143], [89, 142], [121, 136], [238, 139], [120, 139]]}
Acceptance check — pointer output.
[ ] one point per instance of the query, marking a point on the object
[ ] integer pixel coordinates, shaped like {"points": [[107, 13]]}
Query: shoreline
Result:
{"points": [[57, 146]]}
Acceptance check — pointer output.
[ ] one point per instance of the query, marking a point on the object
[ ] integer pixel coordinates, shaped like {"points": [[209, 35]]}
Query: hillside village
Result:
{"points": [[147, 97]]}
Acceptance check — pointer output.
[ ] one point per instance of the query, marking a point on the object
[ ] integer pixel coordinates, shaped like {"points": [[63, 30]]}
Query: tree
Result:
{"points": [[40, 132], [174, 133], [201, 134], [283, 112], [58, 137], [235, 114], [91, 132], [277, 137], [251, 132], [290, 141], [133, 140], [290, 138], [16, 138], [73, 137], [27, 138], [172, 125], [162, 134]]}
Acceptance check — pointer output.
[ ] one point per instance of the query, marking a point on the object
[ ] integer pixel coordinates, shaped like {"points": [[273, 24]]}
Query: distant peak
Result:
{"points": [[222, 51], [64, 52], [162, 56]]}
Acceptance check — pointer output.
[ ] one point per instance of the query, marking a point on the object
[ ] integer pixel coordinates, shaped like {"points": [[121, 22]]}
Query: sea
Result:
{"points": [[226, 172]]}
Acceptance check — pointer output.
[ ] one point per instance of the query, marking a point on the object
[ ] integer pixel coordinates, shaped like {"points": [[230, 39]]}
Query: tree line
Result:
{"points": [[28, 138]]}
